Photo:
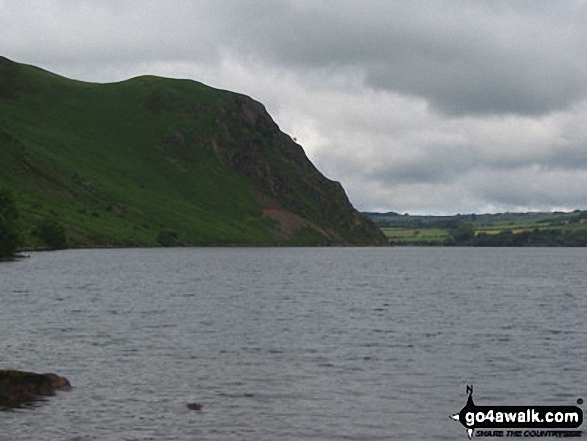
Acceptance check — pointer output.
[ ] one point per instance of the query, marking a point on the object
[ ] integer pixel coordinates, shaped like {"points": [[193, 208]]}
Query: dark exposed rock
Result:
{"points": [[18, 387], [195, 406], [252, 143], [159, 101]]}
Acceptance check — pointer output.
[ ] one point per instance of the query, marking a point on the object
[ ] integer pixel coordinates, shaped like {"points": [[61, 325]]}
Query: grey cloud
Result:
{"points": [[442, 164], [472, 57], [531, 187], [107, 32], [482, 190], [564, 158], [569, 158]]}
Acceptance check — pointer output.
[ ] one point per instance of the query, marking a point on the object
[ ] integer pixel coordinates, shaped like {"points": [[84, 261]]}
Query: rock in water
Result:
{"points": [[195, 406], [18, 387]]}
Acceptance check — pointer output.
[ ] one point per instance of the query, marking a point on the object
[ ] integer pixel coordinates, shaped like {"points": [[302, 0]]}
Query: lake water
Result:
{"points": [[290, 344]]}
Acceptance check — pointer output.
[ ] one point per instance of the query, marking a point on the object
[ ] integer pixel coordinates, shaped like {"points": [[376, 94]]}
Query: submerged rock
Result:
{"points": [[195, 406], [18, 387]]}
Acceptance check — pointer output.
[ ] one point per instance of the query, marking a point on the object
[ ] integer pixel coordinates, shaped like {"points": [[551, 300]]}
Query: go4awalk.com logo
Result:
{"points": [[520, 421]]}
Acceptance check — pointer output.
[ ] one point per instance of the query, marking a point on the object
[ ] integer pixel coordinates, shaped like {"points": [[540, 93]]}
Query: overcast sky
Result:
{"points": [[418, 106]]}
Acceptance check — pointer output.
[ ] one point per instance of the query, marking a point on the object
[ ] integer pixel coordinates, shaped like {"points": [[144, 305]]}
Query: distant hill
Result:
{"points": [[155, 161]]}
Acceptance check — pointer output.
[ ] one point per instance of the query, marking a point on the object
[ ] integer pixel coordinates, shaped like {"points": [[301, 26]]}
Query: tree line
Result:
{"points": [[464, 234], [49, 233], [10, 227]]}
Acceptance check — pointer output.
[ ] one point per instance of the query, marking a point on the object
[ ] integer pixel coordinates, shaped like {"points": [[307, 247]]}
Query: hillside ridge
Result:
{"points": [[155, 161]]}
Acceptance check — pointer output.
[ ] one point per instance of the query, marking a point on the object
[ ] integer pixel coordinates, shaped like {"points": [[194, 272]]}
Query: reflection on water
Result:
{"points": [[289, 344]]}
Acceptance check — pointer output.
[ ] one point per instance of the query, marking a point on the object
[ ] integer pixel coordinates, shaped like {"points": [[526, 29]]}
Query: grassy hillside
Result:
{"points": [[153, 161]]}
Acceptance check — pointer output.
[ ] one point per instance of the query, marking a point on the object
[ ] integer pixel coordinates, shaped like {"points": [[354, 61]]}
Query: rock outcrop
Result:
{"points": [[19, 387], [252, 143]]}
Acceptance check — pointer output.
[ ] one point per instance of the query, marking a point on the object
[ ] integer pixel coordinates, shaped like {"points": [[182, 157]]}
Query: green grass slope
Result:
{"points": [[154, 161]]}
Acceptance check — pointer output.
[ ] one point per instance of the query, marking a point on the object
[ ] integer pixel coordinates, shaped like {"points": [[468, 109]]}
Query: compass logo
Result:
{"points": [[484, 420]]}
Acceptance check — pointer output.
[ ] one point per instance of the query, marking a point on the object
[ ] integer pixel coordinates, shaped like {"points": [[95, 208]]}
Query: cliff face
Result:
{"points": [[296, 194], [158, 161]]}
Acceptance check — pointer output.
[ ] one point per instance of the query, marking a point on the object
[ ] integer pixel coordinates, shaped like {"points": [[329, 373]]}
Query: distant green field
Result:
{"points": [[504, 229], [432, 236]]}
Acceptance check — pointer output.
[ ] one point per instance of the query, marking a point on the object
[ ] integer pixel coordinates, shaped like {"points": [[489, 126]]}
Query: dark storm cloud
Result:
{"points": [[442, 164], [464, 57]]}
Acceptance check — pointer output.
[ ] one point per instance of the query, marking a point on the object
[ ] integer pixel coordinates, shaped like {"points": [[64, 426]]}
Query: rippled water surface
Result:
{"points": [[290, 344]]}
